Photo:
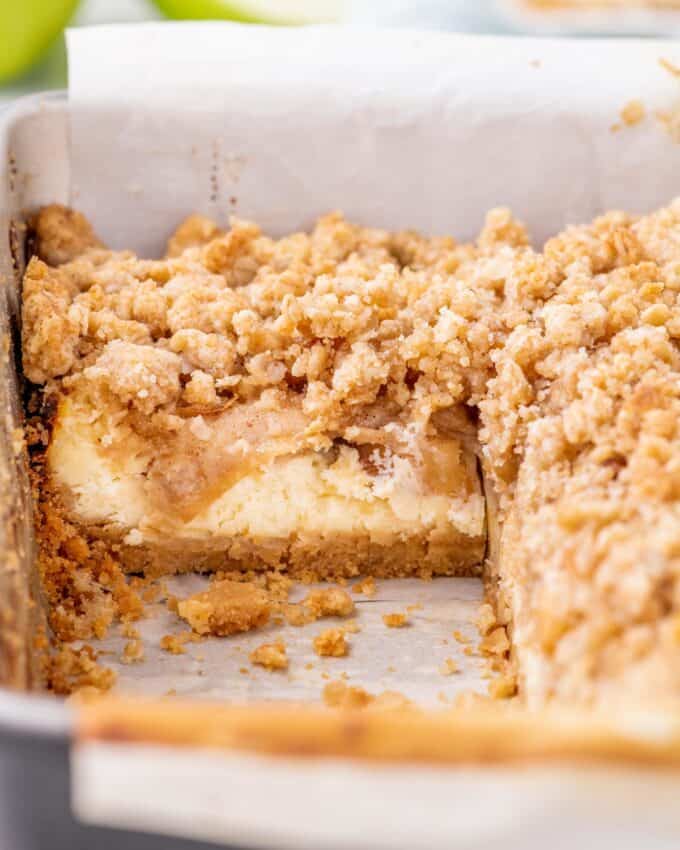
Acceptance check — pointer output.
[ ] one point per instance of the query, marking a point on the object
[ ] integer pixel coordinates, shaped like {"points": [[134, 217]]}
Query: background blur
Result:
{"points": [[33, 55]]}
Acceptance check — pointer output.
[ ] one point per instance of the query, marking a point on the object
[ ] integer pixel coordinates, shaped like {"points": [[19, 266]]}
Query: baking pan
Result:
{"points": [[55, 151]]}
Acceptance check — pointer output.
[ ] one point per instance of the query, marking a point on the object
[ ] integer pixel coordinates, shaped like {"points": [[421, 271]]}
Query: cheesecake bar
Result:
{"points": [[250, 402], [354, 401]]}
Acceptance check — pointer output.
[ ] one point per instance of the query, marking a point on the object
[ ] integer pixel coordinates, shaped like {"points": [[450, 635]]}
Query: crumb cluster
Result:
{"points": [[226, 608]]}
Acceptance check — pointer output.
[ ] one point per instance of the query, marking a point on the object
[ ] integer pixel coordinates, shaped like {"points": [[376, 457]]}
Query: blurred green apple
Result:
{"points": [[27, 29], [256, 11]]}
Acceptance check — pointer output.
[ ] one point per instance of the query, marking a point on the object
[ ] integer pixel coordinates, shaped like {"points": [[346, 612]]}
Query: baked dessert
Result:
{"points": [[354, 401]]}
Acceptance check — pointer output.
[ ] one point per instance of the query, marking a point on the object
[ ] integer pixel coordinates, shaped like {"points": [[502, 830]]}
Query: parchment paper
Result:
{"points": [[397, 129]]}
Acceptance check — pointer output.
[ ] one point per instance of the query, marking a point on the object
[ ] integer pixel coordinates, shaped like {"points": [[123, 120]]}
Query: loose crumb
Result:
{"points": [[332, 643], [670, 67], [366, 586], [271, 656], [460, 637], [496, 642], [338, 694], [395, 620], [633, 113], [297, 615], [351, 627], [329, 602], [416, 606], [174, 644], [486, 619], [74, 670], [226, 608], [449, 667], [503, 687], [129, 631], [133, 652]]}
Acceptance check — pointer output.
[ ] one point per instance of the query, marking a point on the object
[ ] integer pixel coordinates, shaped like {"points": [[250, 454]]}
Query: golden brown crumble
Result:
{"points": [[271, 656], [319, 603], [366, 587], [633, 112], [133, 652], [174, 644], [449, 667], [71, 670], [226, 608], [395, 620], [338, 694], [331, 642], [329, 602]]}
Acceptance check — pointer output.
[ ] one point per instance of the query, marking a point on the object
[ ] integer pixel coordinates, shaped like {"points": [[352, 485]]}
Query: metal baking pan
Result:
{"points": [[379, 809]]}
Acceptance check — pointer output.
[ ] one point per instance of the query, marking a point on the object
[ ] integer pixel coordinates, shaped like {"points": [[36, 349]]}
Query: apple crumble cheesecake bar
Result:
{"points": [[355, 401]]}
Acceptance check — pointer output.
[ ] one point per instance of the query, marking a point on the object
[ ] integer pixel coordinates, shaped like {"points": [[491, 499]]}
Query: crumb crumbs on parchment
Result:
{"points": [[71, 670], [391, 669], [669, 66], [338, 694], [174, 644], [226, 608], [395, 620], [415, 606], [170, 693], [318, 604], [502, 687], [632, 113], [486, 618], [271, 656], [351, 627], [133, 652], [244, 671], [670, 121], [495, 642], [309, 666], [449, 667], [470, 651], [332, 643], [329, 602], [460, 637], [365, 586]]}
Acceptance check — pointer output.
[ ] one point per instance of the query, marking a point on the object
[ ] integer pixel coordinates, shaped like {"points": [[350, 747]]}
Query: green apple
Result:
{"points": [[27, 29], [256, 11]]}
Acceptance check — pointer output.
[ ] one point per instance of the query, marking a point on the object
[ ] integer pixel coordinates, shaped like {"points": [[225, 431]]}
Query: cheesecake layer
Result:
{"points": [[268, 509]]}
